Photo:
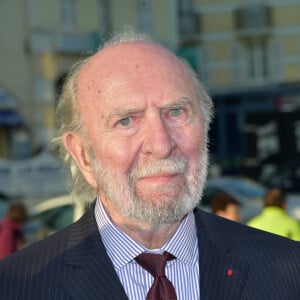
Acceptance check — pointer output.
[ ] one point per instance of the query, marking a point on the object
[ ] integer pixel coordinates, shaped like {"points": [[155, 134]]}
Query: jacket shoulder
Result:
{"points": [[221, 231]]}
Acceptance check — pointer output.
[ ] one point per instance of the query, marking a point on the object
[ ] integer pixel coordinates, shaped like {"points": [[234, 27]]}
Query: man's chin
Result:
{"points": [[158, 219], [161, 209]]}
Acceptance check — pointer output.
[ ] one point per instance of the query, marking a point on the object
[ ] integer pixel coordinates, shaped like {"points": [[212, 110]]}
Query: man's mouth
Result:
{"points": [[159, 178]]}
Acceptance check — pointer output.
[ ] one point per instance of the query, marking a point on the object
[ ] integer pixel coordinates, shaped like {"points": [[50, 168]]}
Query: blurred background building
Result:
{"points": [[250, 61], [247, 53]]}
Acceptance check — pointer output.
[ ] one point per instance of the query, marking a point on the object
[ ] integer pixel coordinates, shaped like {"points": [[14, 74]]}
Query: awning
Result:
{"points": [[10, 118]]}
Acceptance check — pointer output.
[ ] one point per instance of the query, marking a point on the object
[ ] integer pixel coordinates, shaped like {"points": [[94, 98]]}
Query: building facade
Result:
{"points": [[39, 42], [250, 61]]}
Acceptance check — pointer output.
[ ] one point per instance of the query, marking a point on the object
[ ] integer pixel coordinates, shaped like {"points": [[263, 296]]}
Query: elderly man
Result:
{"points": [[134, 121]]}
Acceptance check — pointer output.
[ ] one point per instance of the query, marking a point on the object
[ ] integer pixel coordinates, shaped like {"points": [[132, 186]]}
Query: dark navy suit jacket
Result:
{"points": [[236, 263]]}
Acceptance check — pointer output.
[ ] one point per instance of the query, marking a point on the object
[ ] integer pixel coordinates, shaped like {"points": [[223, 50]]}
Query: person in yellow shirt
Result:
{"points": [[274, 218]]}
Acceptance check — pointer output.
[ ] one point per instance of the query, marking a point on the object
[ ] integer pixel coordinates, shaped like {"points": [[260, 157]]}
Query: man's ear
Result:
{"points": [[75, 145]]}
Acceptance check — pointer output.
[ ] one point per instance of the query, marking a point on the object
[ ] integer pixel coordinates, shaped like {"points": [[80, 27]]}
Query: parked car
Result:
{"points": [[248, 192], [52, 215]]}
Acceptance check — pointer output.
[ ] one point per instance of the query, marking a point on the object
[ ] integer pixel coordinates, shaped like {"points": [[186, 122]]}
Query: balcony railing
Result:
{"points": [[189, 26], [253, 20]]}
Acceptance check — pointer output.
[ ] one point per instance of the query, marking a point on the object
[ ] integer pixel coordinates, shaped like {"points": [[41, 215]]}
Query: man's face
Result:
{"points": [[145, 133]]}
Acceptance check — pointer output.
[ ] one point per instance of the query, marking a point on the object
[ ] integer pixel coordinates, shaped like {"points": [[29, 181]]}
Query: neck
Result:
{"points": [[151, 237]]}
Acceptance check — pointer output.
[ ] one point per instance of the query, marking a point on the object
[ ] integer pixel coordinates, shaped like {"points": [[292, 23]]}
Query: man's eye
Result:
{"points": [[125, 121], [175, 112]]}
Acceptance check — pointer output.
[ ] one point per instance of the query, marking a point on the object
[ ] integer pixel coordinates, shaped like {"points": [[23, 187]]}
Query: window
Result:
{"points": [[238, 69], [105, 17], [33, 14], [189, 21], [257, 59], [205, 66], [68, 13], [145, 16]]}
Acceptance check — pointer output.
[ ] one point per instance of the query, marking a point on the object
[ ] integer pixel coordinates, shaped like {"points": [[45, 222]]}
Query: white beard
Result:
{"points": [[121, 190]]}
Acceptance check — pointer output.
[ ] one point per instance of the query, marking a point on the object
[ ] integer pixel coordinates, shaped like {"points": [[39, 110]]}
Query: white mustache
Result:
{"points": [[172, 165]]}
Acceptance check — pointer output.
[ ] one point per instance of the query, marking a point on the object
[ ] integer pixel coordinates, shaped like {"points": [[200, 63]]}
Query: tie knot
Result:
{"points": [[154, 263]]}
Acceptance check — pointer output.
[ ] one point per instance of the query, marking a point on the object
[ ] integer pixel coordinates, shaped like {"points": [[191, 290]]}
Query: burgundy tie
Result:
{"points": [[162, 288]]}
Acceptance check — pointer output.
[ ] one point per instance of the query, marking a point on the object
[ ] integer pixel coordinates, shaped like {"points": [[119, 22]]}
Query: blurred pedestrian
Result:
{"points": [[225, 206], [274, 217], [11, 236]]}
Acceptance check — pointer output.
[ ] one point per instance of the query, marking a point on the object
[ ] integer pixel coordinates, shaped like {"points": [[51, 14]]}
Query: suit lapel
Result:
{"points": [[91, 274], [223, 275]]}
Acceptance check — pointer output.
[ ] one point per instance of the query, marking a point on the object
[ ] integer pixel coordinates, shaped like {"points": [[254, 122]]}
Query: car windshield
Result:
{"points": [[241, 189], [56, 218], [246, 189]]}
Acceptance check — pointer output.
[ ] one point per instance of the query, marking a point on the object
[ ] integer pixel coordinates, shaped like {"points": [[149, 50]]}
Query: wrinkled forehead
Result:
{"points": [[118, 61], [129, 54]]}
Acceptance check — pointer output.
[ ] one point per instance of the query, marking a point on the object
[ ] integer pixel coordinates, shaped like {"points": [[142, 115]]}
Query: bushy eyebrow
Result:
{"points": [[121, 113], [182, 102]]}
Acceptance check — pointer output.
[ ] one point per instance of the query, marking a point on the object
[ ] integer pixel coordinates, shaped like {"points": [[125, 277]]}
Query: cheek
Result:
{"points": [[116, 154], [190, 142], [193, 146]]}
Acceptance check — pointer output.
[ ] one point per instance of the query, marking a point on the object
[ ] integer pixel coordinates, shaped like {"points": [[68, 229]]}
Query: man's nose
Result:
{"points": [[158, 139]]}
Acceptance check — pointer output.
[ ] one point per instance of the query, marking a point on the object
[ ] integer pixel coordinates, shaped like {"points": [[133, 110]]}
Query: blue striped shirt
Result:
{"points": [[183, 271]]}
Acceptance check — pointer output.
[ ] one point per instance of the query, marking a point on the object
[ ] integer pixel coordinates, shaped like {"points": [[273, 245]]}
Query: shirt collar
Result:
{"points": [[117, 242]]}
